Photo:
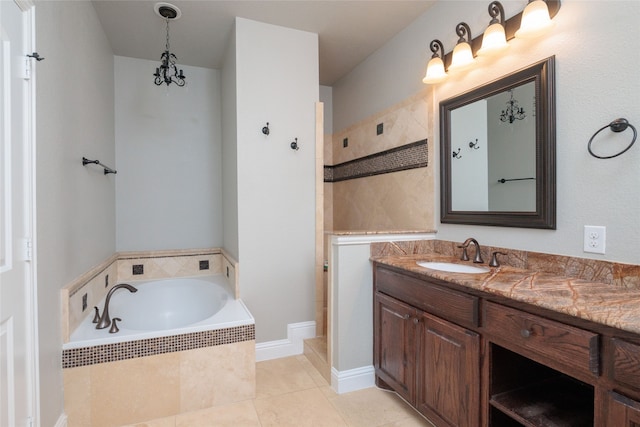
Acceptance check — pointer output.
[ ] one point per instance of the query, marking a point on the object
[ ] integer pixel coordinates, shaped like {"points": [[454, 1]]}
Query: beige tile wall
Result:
{"points": [[394, 201], [134, 390]]}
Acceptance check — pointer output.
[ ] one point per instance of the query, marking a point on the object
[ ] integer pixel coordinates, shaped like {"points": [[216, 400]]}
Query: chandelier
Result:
{"points": [[168, 71], [513, 112]]}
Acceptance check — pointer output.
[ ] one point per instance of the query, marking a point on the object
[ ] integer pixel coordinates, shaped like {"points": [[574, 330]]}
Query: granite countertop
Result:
{"points": [[597, 302]]}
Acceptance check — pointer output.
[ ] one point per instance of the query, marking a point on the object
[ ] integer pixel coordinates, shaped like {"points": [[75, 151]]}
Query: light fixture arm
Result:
{"points": [[462, 30], [495, 10], [436, 46]]}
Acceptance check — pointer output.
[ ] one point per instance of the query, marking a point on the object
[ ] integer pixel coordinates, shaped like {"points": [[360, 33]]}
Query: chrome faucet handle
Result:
{"points": [[96, 316], [465, 255], [114, 328], [494, 259]]}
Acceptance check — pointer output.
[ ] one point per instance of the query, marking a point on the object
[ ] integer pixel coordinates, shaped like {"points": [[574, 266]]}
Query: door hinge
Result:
{"points": [[27, 68], [28, 250]]}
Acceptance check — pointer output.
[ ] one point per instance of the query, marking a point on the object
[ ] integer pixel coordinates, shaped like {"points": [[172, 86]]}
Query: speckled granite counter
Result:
{"points": [[602, 303]]}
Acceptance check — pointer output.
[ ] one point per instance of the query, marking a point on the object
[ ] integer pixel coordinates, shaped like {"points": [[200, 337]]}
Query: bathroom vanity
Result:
{"points": [[507, 347]]}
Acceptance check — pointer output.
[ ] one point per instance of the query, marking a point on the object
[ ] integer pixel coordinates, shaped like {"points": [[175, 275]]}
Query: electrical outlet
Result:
{"points": [[595, 239]]}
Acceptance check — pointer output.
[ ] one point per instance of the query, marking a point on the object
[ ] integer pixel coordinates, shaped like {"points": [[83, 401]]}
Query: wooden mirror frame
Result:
{"points": [[543, 74]]}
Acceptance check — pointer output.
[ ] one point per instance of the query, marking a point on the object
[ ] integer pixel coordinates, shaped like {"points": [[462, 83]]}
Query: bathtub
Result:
{"points": [[165, 308]]}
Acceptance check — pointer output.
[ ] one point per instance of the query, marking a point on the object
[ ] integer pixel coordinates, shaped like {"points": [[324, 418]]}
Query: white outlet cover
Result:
{"points": [[594, 239]]}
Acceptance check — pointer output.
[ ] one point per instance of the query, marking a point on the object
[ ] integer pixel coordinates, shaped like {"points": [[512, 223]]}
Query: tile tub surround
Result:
{"points": [[134, 390], [119, 268], [607, 304]]}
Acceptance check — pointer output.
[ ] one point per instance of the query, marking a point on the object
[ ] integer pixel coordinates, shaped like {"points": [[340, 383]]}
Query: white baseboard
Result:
{"points": [[353, 379], [62, 421], [291, 346]]}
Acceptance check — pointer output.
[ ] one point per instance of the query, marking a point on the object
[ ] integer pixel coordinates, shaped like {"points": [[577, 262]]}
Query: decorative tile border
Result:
{"points": [[73, 358], [410, 156]]}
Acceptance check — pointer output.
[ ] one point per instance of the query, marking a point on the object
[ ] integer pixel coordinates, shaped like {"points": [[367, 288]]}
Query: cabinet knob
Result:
{"points": [[406, 317], [526, 333], [415, 320]]}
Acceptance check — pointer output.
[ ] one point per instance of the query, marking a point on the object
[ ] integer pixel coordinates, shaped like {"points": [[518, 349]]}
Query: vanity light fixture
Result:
{"points": [[462, 54], [435, 67], [532, 22], [513, 111], [494, 38], [535, 20], [168, 71]]}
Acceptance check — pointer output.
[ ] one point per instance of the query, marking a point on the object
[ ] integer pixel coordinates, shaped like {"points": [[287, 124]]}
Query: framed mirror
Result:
{"points": [[497, 160]]}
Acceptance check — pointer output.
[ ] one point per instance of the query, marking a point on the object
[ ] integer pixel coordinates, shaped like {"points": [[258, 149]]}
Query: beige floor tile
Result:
{"points": [[280, 376], [415, 421], [371, 407], [241, 414], [160, 422], [298, 409], [317, 378]]}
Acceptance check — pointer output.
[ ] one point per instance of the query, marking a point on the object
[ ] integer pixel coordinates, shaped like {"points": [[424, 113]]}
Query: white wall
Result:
{"points": [[75, 205], [597, 48], [168, 156], [230, 150], [277, 82]]}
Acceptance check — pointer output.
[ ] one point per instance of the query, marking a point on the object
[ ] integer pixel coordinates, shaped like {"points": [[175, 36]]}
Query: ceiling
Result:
{"points": [[349, 31]]}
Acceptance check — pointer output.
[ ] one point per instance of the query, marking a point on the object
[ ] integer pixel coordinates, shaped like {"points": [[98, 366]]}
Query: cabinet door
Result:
{"points": [[623, 412], [448, 373], [395, 345]]}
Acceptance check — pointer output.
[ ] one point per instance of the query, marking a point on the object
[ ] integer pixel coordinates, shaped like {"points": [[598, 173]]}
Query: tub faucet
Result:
{"points": [[465, 257], [104, 321]]}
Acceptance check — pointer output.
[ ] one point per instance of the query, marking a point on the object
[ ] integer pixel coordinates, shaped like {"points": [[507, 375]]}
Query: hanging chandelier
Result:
{"points": [[168, 71], [513, 112]]}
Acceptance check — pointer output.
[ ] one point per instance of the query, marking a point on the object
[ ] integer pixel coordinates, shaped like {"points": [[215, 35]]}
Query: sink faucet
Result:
{"points": [[104, 321], [465, 257]]}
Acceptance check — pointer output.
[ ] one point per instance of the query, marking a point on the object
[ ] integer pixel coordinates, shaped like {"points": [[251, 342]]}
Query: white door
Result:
{"points": [[17, 320]]}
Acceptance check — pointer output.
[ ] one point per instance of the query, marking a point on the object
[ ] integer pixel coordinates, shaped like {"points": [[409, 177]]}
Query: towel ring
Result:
{"points": [[618, 125]]}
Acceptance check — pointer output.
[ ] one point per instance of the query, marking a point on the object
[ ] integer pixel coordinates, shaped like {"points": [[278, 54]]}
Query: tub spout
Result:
{"points": [[105, 320]]}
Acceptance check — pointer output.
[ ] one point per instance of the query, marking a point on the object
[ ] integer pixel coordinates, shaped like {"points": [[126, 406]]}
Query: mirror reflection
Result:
{"points": [[493, 144]]}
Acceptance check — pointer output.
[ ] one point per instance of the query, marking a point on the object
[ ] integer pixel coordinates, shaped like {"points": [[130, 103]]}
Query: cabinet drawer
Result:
{"points": [[435, 299], [626, 363], [571, 346]]}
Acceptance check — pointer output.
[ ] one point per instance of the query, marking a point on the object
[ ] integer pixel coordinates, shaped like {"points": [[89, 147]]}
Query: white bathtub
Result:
{"points": [[162, 308]]}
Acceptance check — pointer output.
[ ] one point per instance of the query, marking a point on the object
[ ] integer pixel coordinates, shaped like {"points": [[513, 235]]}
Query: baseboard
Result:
{"points": [[291, 346], [62, 421], [353, 379]]}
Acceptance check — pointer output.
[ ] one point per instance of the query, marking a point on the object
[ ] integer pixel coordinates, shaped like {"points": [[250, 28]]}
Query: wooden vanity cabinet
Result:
{"points": [[622, 411], [433, 363]]}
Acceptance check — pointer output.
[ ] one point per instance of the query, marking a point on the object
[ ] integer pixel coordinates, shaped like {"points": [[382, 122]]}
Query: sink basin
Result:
{"points": [[454, 268]]}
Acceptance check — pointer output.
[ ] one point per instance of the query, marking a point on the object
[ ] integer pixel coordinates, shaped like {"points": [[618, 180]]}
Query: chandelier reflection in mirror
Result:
{"points": [[168, 71], [513, 112]]}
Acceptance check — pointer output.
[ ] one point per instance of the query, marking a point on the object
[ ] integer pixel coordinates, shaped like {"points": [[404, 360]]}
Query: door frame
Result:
{"points": [[29, 172]]}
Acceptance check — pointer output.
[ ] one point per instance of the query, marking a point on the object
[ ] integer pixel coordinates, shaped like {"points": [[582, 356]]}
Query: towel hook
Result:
{"points": [[617, 126], [265, 129], [294, 145]]}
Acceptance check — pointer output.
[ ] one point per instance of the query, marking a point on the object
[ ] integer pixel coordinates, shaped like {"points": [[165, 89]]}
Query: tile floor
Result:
{"points": [[291, 392]]}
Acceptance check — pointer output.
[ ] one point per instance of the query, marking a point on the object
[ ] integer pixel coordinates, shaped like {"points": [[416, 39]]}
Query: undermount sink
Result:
{"points": [[451, 267]]}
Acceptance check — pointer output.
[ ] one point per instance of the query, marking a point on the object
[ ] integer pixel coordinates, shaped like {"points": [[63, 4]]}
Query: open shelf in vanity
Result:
{"points": [[526, 393]]}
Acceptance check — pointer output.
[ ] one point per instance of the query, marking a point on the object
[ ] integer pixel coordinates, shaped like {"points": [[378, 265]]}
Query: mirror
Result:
{"points": [[498, 152]]}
